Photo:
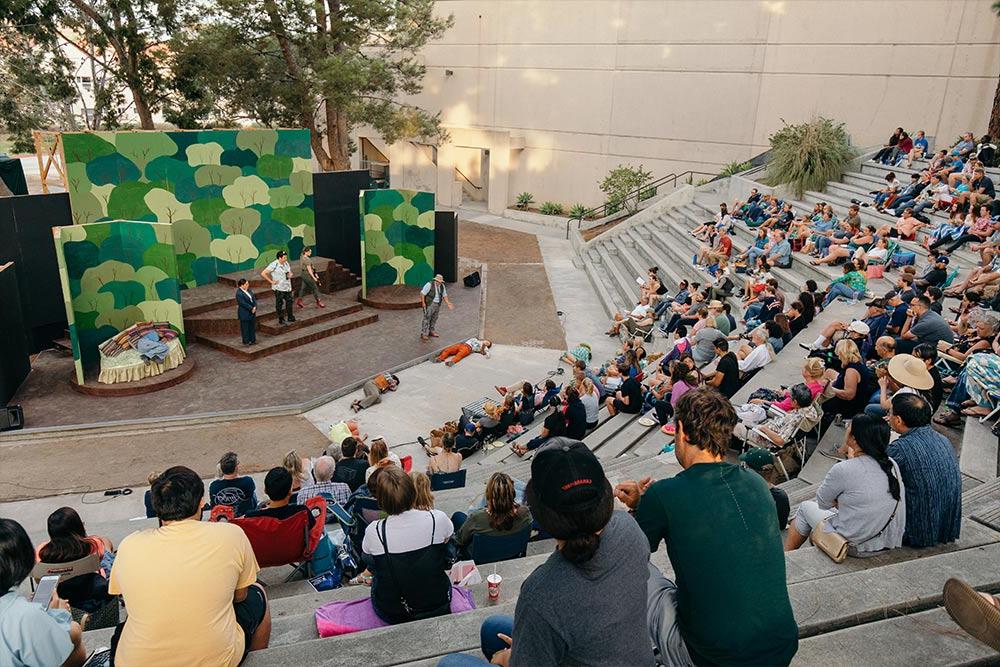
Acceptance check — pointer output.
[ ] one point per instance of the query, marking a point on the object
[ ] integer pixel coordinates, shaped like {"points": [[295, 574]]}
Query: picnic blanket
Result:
{"points": [[342, 617]]}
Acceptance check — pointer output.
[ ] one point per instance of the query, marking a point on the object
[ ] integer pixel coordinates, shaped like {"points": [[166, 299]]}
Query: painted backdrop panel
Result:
{"points": [[113, 275], [233, 197], [397, 237]]}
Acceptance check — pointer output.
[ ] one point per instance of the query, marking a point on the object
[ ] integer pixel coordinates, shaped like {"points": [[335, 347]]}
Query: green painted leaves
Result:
{"points": [[398, 237]]}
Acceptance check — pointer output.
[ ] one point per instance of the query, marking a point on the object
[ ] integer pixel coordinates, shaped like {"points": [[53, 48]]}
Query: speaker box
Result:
{"points": [[11, 418], [472, 280]]}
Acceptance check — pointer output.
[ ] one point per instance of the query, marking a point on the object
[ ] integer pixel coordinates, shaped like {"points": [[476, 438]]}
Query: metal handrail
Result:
{"points": [[467, 180], [635, 194]]}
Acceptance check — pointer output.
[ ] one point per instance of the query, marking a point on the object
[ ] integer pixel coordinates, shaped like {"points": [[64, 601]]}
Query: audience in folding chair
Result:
{"points": [[501, 516]]}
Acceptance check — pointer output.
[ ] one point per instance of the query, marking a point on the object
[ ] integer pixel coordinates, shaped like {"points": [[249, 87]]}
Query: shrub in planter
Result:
{"points": [[551, 208], [577, 211], [806, 156], [524, 199], [621, 182], [734, 167]]}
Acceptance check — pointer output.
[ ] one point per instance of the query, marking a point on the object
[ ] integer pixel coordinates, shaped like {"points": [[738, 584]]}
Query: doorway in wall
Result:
{"points": [[472, 173], [376, 163]]}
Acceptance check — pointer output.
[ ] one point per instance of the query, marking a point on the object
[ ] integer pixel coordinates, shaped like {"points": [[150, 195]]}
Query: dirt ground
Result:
{"points": [[45, 468]]}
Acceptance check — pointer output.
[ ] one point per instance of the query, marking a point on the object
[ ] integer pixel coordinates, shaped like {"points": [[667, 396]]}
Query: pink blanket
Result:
{"points": [[343, 617]]}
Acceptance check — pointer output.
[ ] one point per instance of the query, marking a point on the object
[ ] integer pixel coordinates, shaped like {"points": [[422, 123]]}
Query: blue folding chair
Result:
{"points": [[441, 481], [494, 548]]}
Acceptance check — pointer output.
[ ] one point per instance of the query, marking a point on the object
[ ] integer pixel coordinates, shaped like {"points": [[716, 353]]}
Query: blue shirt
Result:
{"points": [[921, 144], [929, 468], [31, 636], [781, 252], [822, 225]]}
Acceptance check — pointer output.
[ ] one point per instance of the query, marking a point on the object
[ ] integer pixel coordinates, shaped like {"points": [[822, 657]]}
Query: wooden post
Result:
{"points": [[38, 153]]}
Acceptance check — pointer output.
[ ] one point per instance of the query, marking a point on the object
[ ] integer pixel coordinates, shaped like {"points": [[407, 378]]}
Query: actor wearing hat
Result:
{"points": [[431, 296], [587, 603], [716, 520], [761, 461], [905, 374]]}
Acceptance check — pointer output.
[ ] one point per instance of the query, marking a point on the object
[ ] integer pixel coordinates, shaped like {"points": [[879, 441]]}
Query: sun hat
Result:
{"points": [[909, 371]]}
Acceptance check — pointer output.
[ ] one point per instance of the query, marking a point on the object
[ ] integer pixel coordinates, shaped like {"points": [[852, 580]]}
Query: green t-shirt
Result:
{"points": [[717, 520]]}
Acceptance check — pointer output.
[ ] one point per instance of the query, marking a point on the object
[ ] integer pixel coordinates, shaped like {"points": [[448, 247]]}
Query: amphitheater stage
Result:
{"points": [[297, 377]]}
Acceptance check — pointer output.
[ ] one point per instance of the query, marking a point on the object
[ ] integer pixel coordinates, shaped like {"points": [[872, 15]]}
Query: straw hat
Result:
{"points": [[715, 305], [909, 371]]}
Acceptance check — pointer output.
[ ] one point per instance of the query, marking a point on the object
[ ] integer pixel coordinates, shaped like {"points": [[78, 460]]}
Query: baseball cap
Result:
{"points": [[876, 303], [941, 259], [757, 458], [567, 477], [469, 427], [859, 327]]}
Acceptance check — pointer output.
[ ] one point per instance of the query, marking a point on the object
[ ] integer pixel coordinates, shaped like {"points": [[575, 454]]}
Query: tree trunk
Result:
{"points": [[142, 109], [337, 138], [994, 127], [4, 190]]}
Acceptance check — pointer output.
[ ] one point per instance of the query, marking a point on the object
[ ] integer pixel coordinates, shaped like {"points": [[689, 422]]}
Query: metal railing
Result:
{"points": [[632, 199]]}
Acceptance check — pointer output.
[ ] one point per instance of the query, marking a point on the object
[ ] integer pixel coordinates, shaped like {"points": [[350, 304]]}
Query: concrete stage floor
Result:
{"points": [[222, 383]]}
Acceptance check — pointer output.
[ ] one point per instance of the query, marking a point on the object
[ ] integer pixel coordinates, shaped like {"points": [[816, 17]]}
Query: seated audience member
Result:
{"points": [[324, 485], [905, 227], [31, 634], [189, 586], [757, 354], [976, 613], [726, 377], [575, 412], [777, 431], [862, 499], [923, 326], [502, 515], [904, 374], [68, 541], [684, 314], [855, 331], [935, 276], [600, 557], [448, 460], [888, 148], [761, 461], [627, 399], [590, 396], [554, 425], [703, 344], [453, 354], [929, 355], [232, 489], [814, 378], [711, 515], [467, 441], [379, 456], [929, 470], [853, 387], [299, 468], [422, 484], [640, 317], [147, 497], [543, 398], [851, 285], [352, 467], [683, 378], [406, 552], [679, 299]]}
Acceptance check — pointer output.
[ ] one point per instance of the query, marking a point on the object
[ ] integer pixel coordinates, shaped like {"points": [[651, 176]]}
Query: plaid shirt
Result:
{"points": [[339, 491]]}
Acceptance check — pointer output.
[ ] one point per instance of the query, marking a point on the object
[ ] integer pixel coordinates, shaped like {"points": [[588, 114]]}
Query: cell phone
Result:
{"points": [[46, 587]]}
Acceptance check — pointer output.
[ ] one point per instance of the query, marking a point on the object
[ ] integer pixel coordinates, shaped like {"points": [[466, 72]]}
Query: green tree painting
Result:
{"points": [[255, 184], [397, 237], [115, 274]]}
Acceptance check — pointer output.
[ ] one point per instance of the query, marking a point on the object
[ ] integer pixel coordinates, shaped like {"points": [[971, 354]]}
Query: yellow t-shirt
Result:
{"points": [[178, 582]]}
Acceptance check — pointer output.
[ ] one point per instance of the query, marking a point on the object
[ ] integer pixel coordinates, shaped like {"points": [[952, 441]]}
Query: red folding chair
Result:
{"points": [[277, 542]]}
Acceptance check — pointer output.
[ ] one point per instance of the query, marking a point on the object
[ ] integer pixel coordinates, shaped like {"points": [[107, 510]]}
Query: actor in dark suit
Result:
{"points": [[246, 310]]}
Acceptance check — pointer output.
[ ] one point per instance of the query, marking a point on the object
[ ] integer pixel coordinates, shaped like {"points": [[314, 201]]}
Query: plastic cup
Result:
{"points": [[493, 582]]}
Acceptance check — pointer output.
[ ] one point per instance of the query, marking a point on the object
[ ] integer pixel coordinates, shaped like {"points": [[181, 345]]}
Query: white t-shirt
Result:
{"points": [[280, 273], [759, 357], [639, 312], [408, 531], [592, 406]]}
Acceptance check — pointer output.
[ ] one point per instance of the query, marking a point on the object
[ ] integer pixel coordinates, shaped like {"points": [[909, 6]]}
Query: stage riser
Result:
{"points": [[251, 353], [267, 322], [332, 277], [170, 378], [206, 308]]}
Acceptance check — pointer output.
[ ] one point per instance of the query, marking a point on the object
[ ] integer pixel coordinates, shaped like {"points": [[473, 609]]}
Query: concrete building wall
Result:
{"points": [[584, 85]]}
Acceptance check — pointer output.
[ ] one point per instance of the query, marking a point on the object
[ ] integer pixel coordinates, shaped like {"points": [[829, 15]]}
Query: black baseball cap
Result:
{"points": [[876, 303], [567, 477]]}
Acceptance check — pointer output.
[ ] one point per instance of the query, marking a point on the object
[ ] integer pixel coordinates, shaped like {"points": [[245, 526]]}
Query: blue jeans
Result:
{"points": [[900, 204], [488, 642], [840, 289], [752, 255], [959, 394], [927, 203], [880, 198], [753, 310]]}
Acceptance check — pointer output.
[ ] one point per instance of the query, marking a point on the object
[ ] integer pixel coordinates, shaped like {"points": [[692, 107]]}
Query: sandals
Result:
{"points": [[973, 612], [361, 580], [949, 419]]}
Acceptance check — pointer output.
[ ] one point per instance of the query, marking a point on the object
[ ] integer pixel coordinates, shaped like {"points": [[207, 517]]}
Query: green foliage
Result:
{"points": [[551, 208], [398, 237], [577, 211], [621, 184], [806, 156], [734, 167], [647, 193], [524, 199]]}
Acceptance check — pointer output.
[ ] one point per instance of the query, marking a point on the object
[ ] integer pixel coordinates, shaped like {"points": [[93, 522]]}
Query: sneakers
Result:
{"points": [[299, 304]]}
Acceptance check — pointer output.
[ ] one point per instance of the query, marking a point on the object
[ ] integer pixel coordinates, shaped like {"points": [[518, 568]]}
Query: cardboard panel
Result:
{"points": [[14, 362]]}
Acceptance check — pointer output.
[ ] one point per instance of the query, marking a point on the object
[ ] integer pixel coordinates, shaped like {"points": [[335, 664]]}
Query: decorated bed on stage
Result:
{"points": [[143, 350]]}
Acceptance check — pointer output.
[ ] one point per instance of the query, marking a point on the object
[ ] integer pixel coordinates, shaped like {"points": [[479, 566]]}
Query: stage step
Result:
{"points": [[223, 321], [338, 278], [63, 345], [287, 339]]}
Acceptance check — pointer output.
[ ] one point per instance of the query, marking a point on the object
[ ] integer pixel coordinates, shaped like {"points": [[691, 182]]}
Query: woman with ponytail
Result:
{"points": [[501, 516], [68, 542], [862, 499], [586, 604]]}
